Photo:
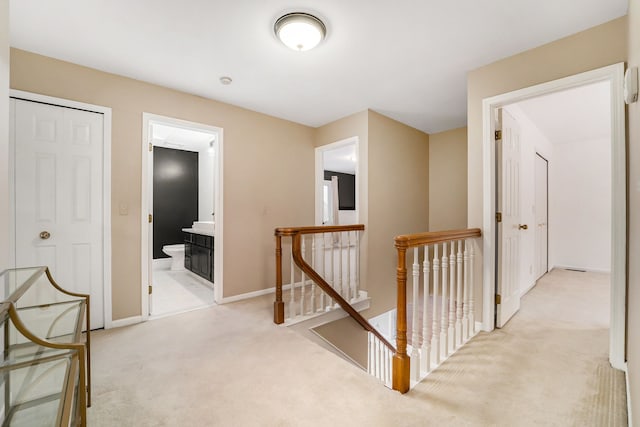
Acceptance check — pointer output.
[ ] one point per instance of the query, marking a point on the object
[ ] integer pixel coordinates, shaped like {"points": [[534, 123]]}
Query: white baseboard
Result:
{"points": [[248, 295], [259, 293], [478, 326], [626, 378], [162, 263], [125, 322], [587, 269]]}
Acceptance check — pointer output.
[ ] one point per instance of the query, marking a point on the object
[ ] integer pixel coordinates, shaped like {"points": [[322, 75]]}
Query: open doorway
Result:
{"points": [[182, 201], [572, 130], [611, 78], [337, 183]]}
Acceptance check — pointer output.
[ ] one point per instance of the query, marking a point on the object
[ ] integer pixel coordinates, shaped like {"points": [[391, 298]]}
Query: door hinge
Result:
{"points": [[498, 135], [498, 216], [150, 218], [498, 299], [150, 289], [150, 146]]}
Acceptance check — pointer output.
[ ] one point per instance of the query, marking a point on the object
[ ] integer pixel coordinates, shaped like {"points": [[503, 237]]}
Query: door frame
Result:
{"points": [[146, 257], [106, 188], [614, 75], [546, 161], [319, 176]]}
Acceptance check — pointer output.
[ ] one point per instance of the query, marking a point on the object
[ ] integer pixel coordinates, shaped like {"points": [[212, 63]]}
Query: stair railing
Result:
{"points": [[334, 252], [448, 282]]}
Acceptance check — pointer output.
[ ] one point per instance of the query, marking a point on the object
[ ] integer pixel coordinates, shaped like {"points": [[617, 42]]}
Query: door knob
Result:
{"points": [[44, 235], [523, 227]]}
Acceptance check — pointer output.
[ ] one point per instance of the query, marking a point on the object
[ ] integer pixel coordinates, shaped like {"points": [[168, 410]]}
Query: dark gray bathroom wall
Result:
{"points": [[175, 196], [346, 189]]}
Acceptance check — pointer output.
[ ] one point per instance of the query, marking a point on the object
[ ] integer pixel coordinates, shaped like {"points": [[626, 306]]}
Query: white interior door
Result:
{"points": [[508, 200], [542, 236], [58, 196]]}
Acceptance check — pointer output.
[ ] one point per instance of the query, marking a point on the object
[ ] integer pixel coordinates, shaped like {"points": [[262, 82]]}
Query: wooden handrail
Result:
{"points": [[431, 237], [295, 233], [401, 361], [290, 231]]}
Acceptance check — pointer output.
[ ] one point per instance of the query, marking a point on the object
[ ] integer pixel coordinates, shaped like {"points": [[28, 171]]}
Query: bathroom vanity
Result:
{"points": [[198, 252]]}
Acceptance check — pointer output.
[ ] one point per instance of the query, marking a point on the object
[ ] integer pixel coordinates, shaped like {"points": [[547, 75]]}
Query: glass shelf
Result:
{"points": [[45, 375]]}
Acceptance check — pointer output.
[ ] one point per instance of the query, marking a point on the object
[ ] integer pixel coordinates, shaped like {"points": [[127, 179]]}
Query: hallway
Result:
{"points": [[229, 365]]}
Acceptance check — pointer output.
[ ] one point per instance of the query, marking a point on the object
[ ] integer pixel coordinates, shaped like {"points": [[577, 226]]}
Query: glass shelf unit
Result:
{"points": [[45, 369]]}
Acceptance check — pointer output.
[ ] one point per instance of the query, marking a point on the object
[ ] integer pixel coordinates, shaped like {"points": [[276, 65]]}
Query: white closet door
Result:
{"points": [[508, 151], [58, 196]]}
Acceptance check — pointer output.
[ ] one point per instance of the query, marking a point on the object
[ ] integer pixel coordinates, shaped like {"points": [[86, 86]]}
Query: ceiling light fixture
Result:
{"points": [[225, 80], [300, 31]]}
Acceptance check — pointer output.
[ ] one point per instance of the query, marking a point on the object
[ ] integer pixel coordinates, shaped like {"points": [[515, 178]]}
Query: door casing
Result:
{"points": [[106, 189], [147, 178], [613, 74]]}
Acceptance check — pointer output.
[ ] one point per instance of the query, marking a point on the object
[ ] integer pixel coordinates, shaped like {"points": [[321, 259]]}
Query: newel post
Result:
{"points": [[278, 304], [401, 362]]}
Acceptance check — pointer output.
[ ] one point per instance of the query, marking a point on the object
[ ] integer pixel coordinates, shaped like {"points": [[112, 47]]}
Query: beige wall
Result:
{"points": [[4, 133], [268, 164], [599, 46], [398, 200], [397, 186], [347, 127], [633, 297], [448, 180]]}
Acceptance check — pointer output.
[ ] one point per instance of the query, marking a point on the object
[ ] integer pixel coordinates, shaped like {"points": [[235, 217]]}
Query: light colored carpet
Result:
{"points": [[230, 366]]}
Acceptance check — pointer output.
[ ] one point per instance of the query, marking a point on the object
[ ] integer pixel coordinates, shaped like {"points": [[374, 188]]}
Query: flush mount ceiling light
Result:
{"points": [[300, 31]]}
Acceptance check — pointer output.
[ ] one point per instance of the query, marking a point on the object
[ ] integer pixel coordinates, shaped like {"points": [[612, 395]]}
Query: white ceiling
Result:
{"points": [[406, 59], [181, 138], [579, 114], [341, 159]]}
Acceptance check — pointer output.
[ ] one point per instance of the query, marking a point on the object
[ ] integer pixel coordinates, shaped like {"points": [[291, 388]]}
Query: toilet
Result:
{"points": [[176, 252]]}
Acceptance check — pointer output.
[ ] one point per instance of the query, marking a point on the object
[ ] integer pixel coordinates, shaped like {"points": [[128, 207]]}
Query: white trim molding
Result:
{"points": [[614, 75], [146, 199], [106, 185], [319, 152], [127, 321]]}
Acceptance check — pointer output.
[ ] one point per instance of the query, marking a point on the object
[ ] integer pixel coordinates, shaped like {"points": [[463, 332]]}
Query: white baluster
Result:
{"points": [[472, 321], [415, 356], [315, 267], [452, 299], [370, 353], [465, 308], [357, 287], [292, 305], [347, 285], [385, 355], [302, 278], [443, 315], [333, 281], [387, 380], [459, 296], [339, 287], [425, 361], [378, 361], [435, 328], [323, 275]]}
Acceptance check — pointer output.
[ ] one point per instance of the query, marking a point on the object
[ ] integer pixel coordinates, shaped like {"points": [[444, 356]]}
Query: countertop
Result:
{"points": [[194, 231]]}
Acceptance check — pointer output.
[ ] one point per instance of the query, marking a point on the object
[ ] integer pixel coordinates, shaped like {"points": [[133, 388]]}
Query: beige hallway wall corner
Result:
{"points": [[633, 296], [259, 178], [354, 125], [596, 47], [4, 133], [448, 180], [398, 200]]}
